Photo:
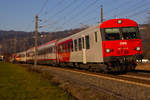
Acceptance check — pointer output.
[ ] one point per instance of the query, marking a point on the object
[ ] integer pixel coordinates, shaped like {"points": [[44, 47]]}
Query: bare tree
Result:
{"points": [[147, 42]]}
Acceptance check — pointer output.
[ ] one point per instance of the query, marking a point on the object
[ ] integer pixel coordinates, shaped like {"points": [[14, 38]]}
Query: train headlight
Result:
{"points": [[138, 48], [119, 21], [107, 50]]}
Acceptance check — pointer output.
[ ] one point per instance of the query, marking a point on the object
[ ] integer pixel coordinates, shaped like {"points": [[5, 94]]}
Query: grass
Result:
{"points": [[17, 83]]}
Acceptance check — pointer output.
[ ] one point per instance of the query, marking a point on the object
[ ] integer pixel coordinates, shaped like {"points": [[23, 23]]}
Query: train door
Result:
{"points": [[83, 50]]}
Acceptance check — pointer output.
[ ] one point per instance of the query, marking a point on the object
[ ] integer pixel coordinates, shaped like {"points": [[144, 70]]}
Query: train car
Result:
{"points": [[112, 46], [47, 53], [20, 57], [30, 55], [12, 58]]}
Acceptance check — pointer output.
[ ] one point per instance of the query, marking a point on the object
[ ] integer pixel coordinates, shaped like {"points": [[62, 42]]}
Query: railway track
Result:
{"points": [[130, 78], [105, 83]]}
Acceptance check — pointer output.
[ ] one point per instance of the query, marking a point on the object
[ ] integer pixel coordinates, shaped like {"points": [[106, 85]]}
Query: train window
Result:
{"points": [[49, 50], [87, 42], [68, 46], [129, 32], [75, 42], [65, 47], [54, 50], [80, 45], [63, 50], [83, 42], [33, 53], [112, 34], [46, 50], [59, 49], [27, 54], [72, 46], [95, 36]]}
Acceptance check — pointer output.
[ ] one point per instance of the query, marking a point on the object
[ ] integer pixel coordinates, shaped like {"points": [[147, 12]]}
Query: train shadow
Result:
{"points": [[143, 71], [135, 71]]}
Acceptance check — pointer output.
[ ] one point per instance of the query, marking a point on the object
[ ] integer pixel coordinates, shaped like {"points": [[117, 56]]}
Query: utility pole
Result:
{"points": [[15, 42], [101, 13], [36, 40]]}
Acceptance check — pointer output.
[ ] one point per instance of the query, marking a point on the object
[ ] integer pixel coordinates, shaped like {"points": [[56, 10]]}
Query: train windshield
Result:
{"points": [[112, 34], [129, 32], [121, 33]]}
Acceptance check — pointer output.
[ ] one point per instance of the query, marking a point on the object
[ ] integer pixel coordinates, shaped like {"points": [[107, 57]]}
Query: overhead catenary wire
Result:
{"points": [[43, 6], [139, 12], [78, 14], [119, 5], [46, 12], [58, 21], [62, 10], [136, 8], [111, 13]]}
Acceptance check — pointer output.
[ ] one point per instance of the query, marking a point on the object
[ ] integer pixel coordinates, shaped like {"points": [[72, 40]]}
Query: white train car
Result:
{"points": [[30, 55], [84, 47], [47, 53], [21, 57]]}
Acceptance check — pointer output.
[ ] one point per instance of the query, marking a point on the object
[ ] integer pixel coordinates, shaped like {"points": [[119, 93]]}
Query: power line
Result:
{"points": [[84, 12], [42, 8], [135, 8], [52, 8], [75, 9], [62, 10], [130, 3], [139, 12], [81, 12]]}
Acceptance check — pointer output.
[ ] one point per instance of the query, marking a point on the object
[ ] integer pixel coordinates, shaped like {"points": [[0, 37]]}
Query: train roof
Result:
{"points": [[121, 22], [48, 44], [23, 52], [45, 45], [81, 33]]}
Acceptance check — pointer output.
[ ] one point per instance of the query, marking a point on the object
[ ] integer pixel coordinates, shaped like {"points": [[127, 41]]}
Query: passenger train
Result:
{"points": [[112, 46]]}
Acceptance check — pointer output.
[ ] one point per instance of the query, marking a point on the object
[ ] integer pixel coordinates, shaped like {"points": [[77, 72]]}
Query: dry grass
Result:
{"points": [[16, 83]]}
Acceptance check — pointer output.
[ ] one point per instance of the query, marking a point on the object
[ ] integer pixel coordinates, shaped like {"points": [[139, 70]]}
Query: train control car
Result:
{"points": [[122, 44], [112, 46]]}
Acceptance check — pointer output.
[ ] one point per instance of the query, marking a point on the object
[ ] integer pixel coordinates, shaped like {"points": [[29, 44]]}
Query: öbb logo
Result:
{"points": [[123, 43]]}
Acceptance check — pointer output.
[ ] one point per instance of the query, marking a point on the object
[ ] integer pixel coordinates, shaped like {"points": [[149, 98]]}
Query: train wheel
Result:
{"points": [[124, 68], [116, 69], [105, 69], [133, 67]]}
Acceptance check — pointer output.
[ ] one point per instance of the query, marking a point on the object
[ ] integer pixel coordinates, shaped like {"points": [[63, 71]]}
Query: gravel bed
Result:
{"points": [[86, 87]]}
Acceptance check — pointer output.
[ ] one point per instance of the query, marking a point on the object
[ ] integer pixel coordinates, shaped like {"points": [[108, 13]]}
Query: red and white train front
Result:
{"points": [[121, 42]]}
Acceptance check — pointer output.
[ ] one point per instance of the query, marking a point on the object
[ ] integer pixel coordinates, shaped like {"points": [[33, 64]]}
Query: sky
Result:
{"points": [[57, 15]]}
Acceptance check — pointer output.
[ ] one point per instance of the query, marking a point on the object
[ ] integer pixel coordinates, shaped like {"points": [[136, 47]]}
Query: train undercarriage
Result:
{"points": [[111, 65], [115, 65]]}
